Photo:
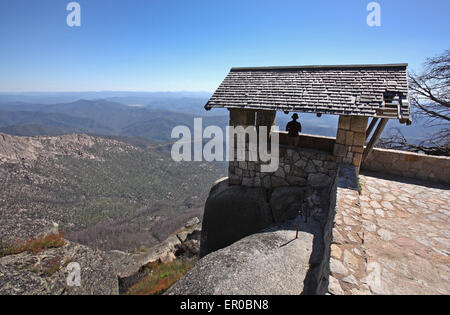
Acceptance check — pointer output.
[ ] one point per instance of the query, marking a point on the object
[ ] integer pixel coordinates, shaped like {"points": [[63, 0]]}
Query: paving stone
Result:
{"points": [[350, 260], [369, 226], [385, 234], [337, 267], [336, 251], [375, 204], [350, 221], [376, 197], [338, 238], [356, 251], [334, 286], [350, 279], [388, 197], [361, 290], [387, 205], [367, 211], [412, 238], [352, 238], [373, 190]]}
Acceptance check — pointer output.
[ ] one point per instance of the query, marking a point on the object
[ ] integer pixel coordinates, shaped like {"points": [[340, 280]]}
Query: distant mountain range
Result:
{"points": [[126, 98], [96, 117], [133, 114]]}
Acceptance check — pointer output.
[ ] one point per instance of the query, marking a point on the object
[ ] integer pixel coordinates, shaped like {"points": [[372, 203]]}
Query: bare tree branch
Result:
{"points": [[438, 144], [430, 96]]}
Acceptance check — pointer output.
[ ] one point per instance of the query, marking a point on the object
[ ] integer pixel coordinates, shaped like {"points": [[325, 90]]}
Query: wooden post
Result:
{"points": [[374, 139], [371, 126]]}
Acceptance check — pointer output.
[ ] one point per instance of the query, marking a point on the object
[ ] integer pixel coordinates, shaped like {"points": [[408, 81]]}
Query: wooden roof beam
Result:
{"points": [[376, 135]]}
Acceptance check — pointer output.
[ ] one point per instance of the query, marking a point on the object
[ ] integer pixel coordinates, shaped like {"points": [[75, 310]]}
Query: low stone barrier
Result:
{"points": [[343, 257], [310, 141], [298, 167], [409, 164]]}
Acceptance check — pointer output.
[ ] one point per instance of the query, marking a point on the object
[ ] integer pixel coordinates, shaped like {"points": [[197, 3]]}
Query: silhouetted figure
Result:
{"points": [[293, 128]]}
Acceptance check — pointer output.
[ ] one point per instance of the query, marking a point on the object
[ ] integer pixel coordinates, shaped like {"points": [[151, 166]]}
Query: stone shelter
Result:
{"points": [[356, 93]]}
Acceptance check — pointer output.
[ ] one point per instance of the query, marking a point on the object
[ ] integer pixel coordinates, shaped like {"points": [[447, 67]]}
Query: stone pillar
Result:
{"points": [[350, 140], [244, 118], [265, 118]]}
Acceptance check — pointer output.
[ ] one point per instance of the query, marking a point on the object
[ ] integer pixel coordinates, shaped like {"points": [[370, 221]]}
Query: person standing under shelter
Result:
{"points": [[293, 128]]}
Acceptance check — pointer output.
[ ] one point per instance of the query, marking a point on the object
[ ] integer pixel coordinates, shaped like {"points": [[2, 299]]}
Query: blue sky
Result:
{"points": [[168, 45]]}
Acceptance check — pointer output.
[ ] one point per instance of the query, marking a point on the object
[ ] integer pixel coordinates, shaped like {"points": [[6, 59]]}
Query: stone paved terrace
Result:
{"points": [[392, 239]]}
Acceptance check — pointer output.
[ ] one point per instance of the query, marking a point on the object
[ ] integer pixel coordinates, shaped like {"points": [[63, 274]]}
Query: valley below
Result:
{"points": [[100, 192], [92, 182]]}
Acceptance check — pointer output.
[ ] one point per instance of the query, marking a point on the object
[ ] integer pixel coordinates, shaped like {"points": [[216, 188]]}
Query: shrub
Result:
{"points": [[161, 277], [34, 245]]}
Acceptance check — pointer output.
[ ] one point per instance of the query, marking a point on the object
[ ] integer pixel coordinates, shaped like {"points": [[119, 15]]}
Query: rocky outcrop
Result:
{"points": [[231, 213], [271, 262], [17, 229], [31, 176], [128, 264], [46, 273], [131, 268], [29, 149]]}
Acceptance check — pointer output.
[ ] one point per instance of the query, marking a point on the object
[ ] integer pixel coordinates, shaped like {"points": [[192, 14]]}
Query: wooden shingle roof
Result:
{"points": [[359, 90]]}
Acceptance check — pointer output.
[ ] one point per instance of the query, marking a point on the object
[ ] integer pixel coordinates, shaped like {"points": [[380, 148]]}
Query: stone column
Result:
{"points": [[244, 118], [265, 118], [350, 140]]}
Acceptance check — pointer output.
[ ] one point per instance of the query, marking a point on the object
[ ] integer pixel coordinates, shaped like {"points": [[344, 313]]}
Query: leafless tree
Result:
{"points": [[397, 141], [430, 91], [430, 97]]}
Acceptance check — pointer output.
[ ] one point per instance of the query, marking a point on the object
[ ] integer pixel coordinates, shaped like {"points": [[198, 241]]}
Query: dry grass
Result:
{"points": [[53, 266], [161, 277], [34, 245]]}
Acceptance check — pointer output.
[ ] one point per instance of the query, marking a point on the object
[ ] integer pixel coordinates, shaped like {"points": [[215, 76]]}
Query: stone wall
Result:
{"points": [[314, 142], [298, 167], [350, 140], [324, 267], [343, 259], [408, 164], [312, 170]]}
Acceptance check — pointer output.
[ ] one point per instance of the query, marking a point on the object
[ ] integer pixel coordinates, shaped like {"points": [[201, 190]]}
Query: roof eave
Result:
{"points": [[309, 67]]}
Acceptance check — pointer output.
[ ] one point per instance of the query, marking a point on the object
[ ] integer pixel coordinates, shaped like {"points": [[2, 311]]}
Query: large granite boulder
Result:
{"points": [[231, 213], [272, 262], [286, 202]]}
